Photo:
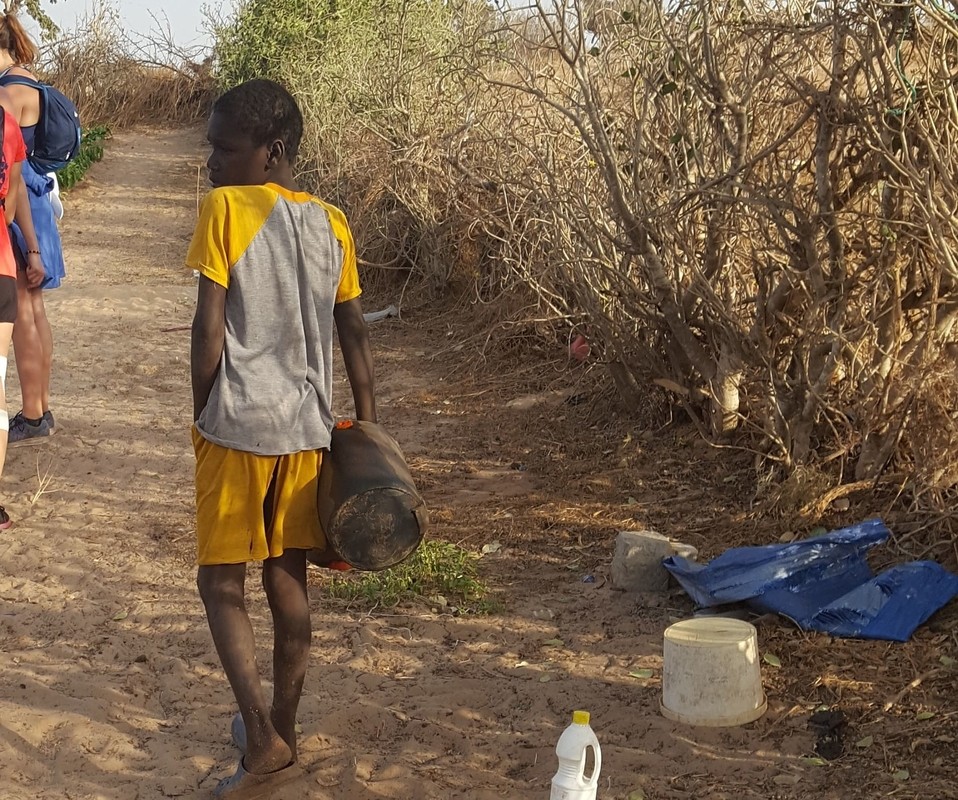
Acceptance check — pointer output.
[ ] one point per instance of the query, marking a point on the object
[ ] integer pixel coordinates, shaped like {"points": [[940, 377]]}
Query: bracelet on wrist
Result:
{"points": [[37, 252]]}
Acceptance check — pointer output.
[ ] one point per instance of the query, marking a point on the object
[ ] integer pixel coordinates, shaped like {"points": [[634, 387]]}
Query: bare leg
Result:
{"points": [[45, 334], [28, 352], [284, 579], [222, 590], [6, 333]]}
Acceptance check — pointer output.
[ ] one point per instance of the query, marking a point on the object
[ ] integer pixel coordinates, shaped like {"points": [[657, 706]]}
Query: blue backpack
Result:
{"points": [[57, 138]]}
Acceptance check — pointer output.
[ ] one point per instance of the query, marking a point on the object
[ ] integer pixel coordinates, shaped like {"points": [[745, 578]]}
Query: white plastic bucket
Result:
{"points": [[711, 674]]}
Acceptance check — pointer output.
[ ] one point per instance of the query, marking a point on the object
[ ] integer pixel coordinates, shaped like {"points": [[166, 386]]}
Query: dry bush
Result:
{"points": [[119, 80], [750, 208]]}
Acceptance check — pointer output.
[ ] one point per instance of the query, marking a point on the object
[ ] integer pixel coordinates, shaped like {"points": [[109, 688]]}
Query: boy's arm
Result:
{"points": [[24, 219], [207, 340], [354, 342]]}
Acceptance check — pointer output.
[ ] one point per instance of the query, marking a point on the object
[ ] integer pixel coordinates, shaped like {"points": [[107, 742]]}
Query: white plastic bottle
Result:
{"points": [[570, 781]]}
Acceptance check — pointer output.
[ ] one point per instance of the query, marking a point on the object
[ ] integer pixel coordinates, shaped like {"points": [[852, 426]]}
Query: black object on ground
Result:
{"points": [[829, 727]]}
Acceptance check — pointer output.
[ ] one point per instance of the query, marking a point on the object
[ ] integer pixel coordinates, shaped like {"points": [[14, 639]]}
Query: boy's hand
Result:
{"points": [[354, 342], [35, 271]]}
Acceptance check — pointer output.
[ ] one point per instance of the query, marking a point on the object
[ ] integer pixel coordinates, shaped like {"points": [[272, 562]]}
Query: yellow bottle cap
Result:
{"points": [[580, 717]]}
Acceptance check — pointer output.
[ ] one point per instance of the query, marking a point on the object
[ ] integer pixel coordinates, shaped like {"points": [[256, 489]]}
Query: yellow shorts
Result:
{"points": [[232, 526]]}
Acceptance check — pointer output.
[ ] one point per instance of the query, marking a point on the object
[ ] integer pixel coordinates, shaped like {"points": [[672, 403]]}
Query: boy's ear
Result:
{"points": [[275, 154]]}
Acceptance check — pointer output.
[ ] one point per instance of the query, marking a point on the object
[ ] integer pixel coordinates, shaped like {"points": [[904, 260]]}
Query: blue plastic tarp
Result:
{"points": [[823, 584]]}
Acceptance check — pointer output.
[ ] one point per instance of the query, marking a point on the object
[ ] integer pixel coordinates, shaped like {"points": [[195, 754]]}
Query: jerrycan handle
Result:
{"points": [[597, 765]]}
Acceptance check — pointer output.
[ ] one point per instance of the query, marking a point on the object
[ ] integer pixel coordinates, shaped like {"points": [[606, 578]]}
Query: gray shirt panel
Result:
{"points": [[273, 393]]}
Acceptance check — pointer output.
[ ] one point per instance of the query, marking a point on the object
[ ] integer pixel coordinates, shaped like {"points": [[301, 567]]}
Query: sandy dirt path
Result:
{"points": [[109, 684]]}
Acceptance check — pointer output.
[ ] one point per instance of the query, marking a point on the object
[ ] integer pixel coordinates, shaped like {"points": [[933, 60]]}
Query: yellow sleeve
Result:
{"points": [[349, 288], [209, 253]]}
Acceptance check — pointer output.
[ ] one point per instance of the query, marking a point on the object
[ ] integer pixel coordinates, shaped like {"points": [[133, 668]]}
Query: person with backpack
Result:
{"points": [[13, 155], [40, 262]]}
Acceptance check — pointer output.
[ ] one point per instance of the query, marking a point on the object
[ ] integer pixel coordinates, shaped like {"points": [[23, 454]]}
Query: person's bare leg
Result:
{"points": [[6, 334], [45, 334], [222, 590], [28, 353], [284, 579]]}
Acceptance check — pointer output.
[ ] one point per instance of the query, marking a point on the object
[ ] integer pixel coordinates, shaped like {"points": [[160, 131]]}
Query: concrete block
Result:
{"points": [[637, 562]]}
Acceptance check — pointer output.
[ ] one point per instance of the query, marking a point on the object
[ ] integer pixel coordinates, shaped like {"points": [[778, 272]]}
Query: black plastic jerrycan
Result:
{"points": [[371, 512]]}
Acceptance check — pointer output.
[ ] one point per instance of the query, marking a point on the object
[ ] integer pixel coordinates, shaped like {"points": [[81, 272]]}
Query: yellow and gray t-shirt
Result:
{"points": [[285, 259]]}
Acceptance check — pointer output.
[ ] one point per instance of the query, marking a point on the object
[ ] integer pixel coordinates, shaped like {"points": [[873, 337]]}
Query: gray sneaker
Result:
{"points": [[48, 416], [22, 432]]}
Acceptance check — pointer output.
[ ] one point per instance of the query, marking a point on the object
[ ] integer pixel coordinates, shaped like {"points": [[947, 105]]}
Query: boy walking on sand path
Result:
{"points": [[277, 269]]}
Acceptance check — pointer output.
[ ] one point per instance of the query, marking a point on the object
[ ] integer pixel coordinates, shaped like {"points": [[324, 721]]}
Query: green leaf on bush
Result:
{"points": [[91, 151]]}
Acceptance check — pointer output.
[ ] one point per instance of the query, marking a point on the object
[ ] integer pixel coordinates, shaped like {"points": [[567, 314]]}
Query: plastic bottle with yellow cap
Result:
{"points": [[571, 781]]}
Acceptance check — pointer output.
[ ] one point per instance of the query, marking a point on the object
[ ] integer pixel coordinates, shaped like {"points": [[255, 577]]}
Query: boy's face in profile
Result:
{"points": [[234, 160]]}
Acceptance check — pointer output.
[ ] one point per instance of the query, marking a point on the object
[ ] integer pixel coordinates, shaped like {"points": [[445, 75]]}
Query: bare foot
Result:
{"points": [[286, 728], [275, 756], [287, 733], [244, 785]]}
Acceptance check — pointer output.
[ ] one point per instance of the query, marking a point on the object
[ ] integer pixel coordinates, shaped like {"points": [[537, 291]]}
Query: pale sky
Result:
{"points": [[184, 18]]}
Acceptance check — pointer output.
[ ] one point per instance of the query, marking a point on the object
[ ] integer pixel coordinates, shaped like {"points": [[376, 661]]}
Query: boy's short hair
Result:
{"points": [[265, 111]]}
